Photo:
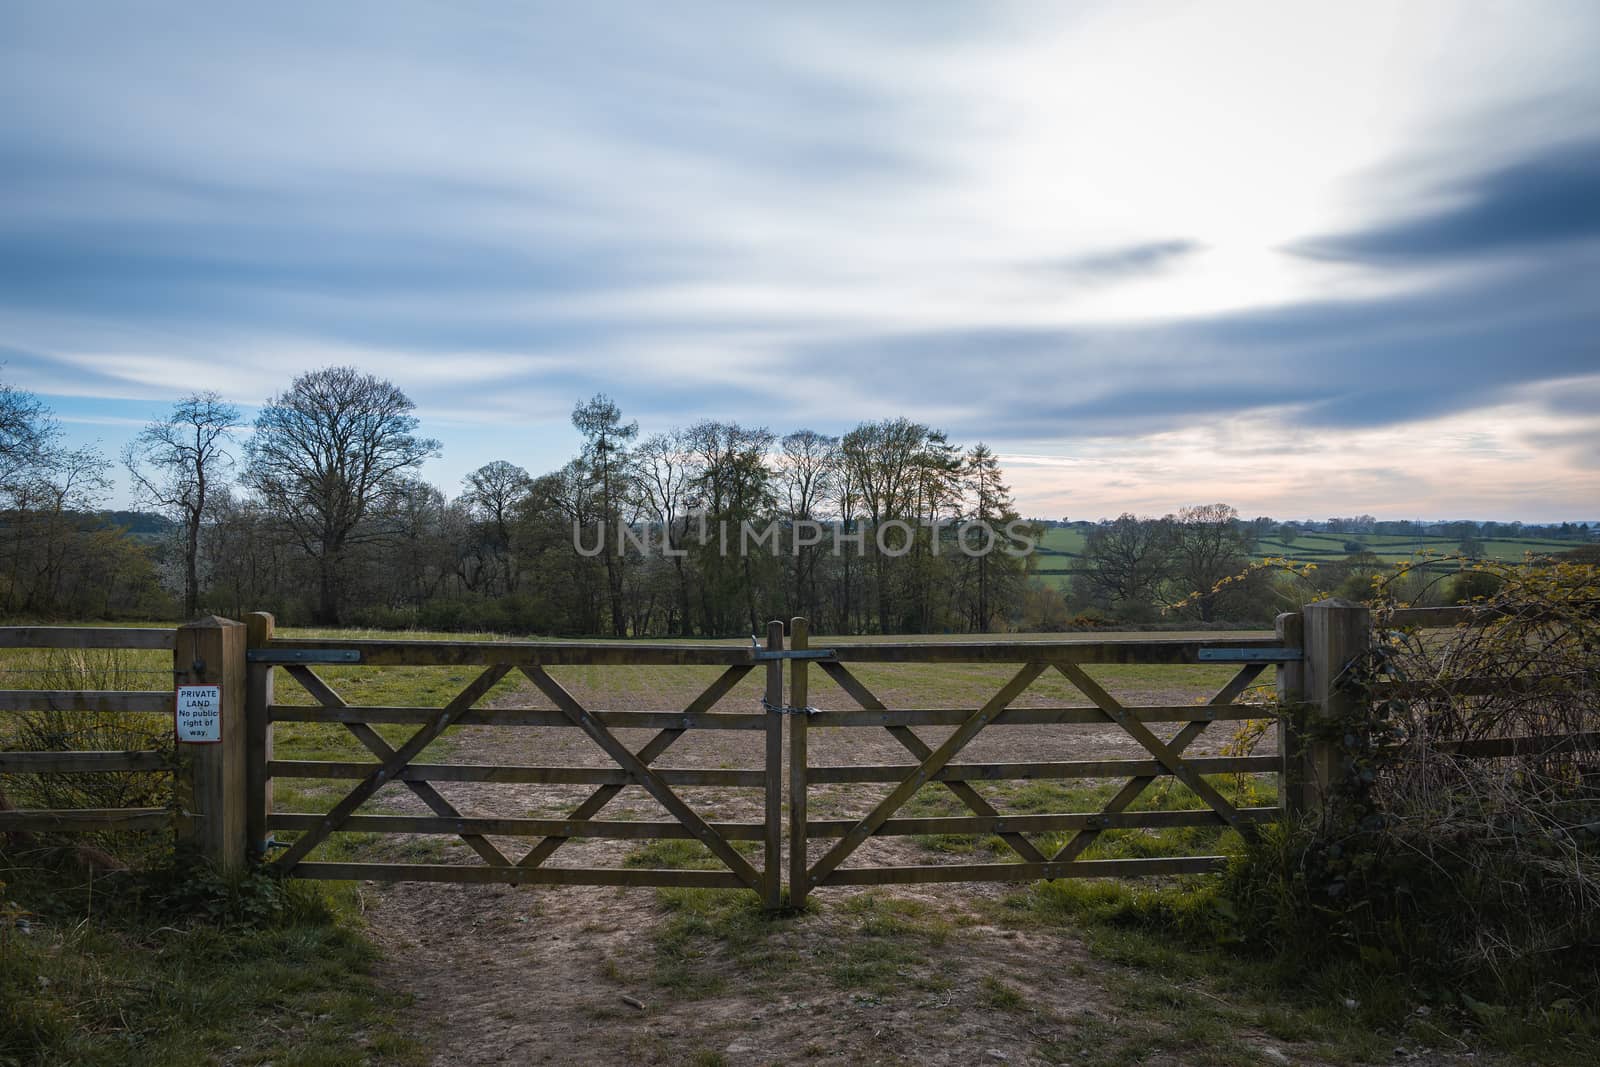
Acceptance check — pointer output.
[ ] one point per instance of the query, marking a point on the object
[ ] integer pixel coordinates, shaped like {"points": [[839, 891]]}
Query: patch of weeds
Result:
{"points": [[167, 969], [708, 934], [1188, 979], [995, 994], [883, 947]]}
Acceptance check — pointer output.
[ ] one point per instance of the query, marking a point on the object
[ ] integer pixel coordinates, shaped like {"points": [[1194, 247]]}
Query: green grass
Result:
{"points": [[159, 974], [1061, 549], [1181, 971], [1052, 797]]}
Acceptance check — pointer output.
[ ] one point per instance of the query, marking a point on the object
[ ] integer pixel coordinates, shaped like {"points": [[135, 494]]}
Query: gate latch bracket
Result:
{"points": [[302, 655]]}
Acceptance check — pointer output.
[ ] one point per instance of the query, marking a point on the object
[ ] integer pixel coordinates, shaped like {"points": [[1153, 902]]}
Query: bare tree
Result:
{"points": [[1127, 562], [808, 464], [175, 463], [605, 459], [494, 491], [1209, 544], [664, 468], [324, 453], [26, 434]]}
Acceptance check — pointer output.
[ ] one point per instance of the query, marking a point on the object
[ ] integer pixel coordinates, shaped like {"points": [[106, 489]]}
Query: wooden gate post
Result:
{"points": [[772, 873], [1337, 632], [1291, 690], [799, 634], [258, 744], [210, 651]]}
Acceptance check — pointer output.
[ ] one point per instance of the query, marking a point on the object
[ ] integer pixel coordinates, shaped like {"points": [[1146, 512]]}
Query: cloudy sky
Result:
{"points": [[1306, 258]]}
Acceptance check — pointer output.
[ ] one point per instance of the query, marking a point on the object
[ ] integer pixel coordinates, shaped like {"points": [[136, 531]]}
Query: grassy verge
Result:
{"points": [[152, 969], [1212, 979], [149, 967]]}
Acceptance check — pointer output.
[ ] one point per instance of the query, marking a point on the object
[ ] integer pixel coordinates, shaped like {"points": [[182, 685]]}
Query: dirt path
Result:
{"points": [[912, 975]]}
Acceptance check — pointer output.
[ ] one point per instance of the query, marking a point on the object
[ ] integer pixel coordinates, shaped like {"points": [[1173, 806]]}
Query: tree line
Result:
{"points": [[316, 510]]}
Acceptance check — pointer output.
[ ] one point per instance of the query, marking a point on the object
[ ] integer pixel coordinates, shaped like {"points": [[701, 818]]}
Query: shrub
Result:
{"points": [[1475, 876]]}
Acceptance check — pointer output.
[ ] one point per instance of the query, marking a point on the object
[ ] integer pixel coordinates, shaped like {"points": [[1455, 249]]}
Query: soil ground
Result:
{"points": [[935, 974]]}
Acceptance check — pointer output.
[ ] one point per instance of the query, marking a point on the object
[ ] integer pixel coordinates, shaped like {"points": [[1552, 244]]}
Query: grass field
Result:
{"points": [[1061, 549]]}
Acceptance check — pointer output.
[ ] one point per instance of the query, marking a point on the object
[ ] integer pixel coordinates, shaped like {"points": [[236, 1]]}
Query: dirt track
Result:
{"points": [[911, 975]]}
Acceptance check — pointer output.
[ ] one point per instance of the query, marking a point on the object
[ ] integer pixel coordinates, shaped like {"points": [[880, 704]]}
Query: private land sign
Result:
{"points": [[199, 714]]}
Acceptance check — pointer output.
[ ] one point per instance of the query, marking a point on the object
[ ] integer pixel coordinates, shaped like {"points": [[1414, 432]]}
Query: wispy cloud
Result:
{"points": [[1058, 229]]}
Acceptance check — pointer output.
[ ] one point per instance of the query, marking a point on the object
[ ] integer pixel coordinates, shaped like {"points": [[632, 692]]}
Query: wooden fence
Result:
{"points": [[267, 655], [189, 646], [225, 802]]}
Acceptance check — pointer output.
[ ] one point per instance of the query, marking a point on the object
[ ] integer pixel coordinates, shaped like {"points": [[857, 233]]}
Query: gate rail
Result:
{"points": [[399, 764], [936, 764]]}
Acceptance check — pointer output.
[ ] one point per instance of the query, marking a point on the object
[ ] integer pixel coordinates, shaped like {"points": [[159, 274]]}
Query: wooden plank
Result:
{"points": [[932, 765], [616, 720], [383, 653], [156, 702], [84, 820], [475, 825], [130, 637], [799, 696], [1167, 650], [1293, 794], [1026, 872], [643, 775], [83, 762], [466, 772], [984, 772], [1169, 758], [772, 850], [699, 706], [908, 740], [260, 681], [439, 872], [1032, 824], [547, 653], [1037, 716], [1134, 787], [323, 693], [406, 752]]}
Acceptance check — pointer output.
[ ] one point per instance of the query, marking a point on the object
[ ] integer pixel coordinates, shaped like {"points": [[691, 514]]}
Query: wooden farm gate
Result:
{"points": [[222, 801], [299, 658], [496, 660], [938, 764]]}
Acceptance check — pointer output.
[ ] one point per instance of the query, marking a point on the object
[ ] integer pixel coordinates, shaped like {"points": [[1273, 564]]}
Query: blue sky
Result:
{"points": [[1309, 259]]}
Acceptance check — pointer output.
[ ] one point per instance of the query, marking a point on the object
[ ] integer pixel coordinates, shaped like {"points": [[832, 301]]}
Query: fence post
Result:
{"points": [[1291, 689], [258, 743], [799, 633], [210, 651], [1336, 632], [773, 871]]}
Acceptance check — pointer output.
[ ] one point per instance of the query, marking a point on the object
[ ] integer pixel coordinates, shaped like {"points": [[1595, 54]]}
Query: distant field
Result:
{"points": [[1060, 551]]}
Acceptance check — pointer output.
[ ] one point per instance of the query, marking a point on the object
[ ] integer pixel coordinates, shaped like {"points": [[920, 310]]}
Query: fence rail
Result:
{"points": [[124, 637], [67, 701], [226, 791]]}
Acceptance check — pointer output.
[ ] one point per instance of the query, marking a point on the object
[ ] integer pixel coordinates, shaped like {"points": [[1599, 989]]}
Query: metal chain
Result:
{"points": [[787, 709]]}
